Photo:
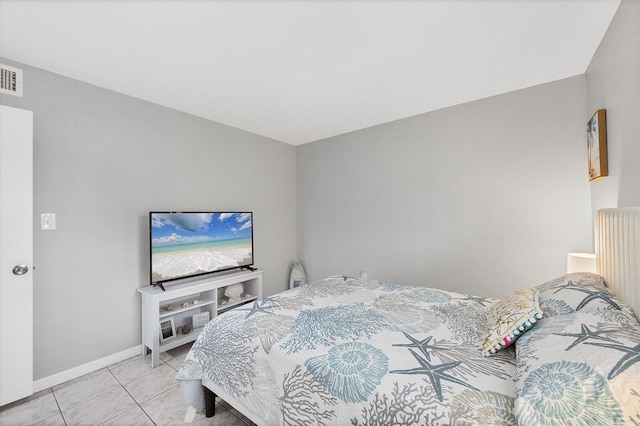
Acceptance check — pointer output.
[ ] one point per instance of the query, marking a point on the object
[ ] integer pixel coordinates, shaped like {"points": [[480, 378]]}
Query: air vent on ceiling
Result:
{"points": [[10, 80]]}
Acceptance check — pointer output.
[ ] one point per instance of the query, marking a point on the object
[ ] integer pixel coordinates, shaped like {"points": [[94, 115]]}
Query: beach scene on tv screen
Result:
{"points": [[186, 244]]}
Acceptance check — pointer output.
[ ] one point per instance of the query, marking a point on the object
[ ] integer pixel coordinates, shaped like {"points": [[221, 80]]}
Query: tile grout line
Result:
{"points": [[125, 389], [79, 404], [134, 400], [59, 408], [139, 404], [147, 414], [84, 401]]}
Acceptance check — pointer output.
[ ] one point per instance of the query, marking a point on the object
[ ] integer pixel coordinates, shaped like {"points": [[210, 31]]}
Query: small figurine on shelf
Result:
{"points": [[184, 329]]}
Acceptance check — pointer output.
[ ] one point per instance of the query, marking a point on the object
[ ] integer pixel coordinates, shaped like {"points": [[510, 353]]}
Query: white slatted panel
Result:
{"points": [[617, 243]]}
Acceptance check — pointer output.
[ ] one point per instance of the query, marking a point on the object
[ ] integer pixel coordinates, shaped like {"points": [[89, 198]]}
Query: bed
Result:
{"points": [[353, 351]]}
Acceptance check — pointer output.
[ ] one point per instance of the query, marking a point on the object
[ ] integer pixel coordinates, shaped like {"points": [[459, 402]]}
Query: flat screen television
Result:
{"points": [[188, 244]]}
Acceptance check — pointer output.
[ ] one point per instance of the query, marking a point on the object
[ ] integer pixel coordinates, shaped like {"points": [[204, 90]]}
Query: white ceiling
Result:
{"points": [[299, 71]]}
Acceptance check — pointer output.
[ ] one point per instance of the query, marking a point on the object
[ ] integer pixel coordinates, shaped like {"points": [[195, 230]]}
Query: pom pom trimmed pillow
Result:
{"points": [[509, 318]]}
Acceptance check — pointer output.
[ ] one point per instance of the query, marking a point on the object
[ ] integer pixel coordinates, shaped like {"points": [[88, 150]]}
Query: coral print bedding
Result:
{"points": [[581, 364], [344, 351]]}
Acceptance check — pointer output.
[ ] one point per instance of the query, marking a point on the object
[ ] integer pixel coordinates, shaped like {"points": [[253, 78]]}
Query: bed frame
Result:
{"points": [[617, 246], [211, 390]]}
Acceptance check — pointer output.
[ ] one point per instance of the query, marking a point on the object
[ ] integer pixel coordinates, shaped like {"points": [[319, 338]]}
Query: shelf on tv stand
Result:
{"points": [[242, 301], [209, 290], [166, 313]]}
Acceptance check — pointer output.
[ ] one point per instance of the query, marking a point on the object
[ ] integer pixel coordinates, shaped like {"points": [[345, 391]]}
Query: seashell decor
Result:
{"points": [[234, 291]]}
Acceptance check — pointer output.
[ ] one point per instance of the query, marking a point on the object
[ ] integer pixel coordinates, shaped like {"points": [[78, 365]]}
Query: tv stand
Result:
{"points": [[176, 307]]}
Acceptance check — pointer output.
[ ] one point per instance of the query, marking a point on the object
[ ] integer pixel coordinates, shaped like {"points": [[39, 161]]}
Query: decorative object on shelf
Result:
{"points": [[169, 308], [298, 277], [224, 301], [200, 320], [167, 329], [247, 296], [197, 302], [234, 291], [185, 305], [597, 146], [184, 329]]}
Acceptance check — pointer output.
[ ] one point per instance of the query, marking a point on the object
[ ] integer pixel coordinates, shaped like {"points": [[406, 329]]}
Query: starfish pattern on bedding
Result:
{"points": [[632, 355], [257, 307], [267, 299], [593, 295], [585, 334], [562, 286], [423, 345], [435, 373], [480, 300]]}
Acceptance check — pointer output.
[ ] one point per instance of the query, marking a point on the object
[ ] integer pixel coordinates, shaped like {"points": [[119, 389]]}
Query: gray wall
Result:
{"points": [[484, 197], [613, 83], [102, 161]]}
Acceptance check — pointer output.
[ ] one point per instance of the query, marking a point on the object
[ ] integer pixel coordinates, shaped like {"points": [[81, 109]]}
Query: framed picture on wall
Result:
{"points": [[167, 329], [597, 146]]}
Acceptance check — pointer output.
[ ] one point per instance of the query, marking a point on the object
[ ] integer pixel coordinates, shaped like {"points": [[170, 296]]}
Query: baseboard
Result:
{"points": [[83, 369]]}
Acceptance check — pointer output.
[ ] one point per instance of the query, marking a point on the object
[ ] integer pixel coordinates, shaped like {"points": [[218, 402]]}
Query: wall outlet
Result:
{"points": [[48, 221]]}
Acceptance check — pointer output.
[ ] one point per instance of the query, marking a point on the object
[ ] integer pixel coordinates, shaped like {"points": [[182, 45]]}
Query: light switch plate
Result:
{"points": [[48, 221]]}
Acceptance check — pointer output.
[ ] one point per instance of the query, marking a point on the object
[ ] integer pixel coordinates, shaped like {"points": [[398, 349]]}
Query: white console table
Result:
{"points": [[181, 301]]}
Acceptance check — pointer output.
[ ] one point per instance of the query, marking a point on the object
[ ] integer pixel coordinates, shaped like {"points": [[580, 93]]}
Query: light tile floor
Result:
{"points": [[127, 393]]}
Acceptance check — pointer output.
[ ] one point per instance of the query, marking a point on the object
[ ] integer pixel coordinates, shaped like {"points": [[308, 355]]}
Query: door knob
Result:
{"points": [[20, 269]]}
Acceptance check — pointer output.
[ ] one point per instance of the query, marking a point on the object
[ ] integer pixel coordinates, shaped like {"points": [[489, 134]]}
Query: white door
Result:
{"points": [[16, 254]]}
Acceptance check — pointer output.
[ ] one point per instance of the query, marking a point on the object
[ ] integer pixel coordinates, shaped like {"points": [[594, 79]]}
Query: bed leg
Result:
{"points": [[209, 402]]}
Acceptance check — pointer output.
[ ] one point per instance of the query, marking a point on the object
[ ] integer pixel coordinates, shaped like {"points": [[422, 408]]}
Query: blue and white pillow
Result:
{"points": [[578, 292], [581, 368]]}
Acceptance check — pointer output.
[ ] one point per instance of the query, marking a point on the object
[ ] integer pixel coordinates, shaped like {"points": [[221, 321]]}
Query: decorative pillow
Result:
{"points": [[578, 292], [509, 318], [579, 368]]}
